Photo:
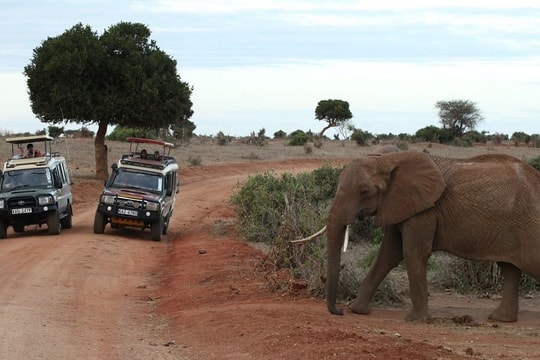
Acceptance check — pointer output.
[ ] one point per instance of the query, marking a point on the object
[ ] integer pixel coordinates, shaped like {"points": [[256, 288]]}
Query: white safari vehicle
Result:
{"points": [[35, 187], [141, 191]]}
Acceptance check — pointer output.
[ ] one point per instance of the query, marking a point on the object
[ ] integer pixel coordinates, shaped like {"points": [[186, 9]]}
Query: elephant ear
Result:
{"points": [[414, 184]]}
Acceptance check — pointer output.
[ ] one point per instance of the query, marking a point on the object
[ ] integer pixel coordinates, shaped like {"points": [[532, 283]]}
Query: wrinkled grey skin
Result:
{"points": [[483, 208]]}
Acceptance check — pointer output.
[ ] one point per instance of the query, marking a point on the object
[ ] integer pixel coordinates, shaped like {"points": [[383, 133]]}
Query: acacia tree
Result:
{"points": [[458, 116], [334, 112], [118, 78]]}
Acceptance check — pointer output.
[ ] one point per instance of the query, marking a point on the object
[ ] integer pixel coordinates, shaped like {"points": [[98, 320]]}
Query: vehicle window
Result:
{"points": [[56, 176], [141, 180], [16, 179], [63, 174], [170, 181]]}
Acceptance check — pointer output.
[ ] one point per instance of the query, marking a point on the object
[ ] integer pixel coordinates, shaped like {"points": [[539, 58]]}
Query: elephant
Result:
{"points": [[482, 208]]}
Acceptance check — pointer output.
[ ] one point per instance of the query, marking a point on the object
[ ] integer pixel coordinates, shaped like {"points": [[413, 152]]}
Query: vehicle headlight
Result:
{"points": [[107, 199], [1, 203], [152, 206], [45, 200]]}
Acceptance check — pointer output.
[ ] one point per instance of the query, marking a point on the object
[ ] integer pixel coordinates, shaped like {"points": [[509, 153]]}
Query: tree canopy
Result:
{"points": [[334, 112], [458, 116], [119, 78]]}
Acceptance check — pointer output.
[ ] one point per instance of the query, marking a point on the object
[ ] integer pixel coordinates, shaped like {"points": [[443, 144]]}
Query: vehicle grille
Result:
{"points": [[21, 201], [129, 203]]}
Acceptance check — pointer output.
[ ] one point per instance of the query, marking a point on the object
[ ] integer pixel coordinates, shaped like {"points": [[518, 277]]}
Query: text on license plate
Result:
{"points": [[21, 211], [128, 212]]}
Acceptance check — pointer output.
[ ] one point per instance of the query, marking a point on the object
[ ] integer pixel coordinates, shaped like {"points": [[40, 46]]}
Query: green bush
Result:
{"points": [[535, 163], [298, 139], [361, 137], [280, 134], [274, 209], [122, 133], [262, 201], [222, 139]]}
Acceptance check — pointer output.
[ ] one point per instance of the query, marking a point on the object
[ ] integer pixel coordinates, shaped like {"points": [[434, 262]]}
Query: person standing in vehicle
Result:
{"points": [[20, 153], [31, 152]]}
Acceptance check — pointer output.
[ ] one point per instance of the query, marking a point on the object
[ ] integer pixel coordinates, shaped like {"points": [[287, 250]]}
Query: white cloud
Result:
{"points": [[219, 6]]}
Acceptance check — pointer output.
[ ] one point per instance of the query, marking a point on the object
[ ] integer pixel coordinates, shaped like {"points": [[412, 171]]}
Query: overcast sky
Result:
{"points": [[266, 64]]}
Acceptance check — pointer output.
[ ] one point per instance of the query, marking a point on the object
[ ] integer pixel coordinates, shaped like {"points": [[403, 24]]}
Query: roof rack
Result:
{"points": [[16, 142], [160, 163], [167, 146], [37, 161]]}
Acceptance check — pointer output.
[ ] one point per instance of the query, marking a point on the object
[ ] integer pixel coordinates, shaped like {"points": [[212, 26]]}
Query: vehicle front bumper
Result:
{"points": [[128, 216], [27, 215]]}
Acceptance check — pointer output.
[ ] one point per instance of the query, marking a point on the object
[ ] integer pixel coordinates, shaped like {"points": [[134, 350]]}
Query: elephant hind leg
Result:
{"points": [[508, 308]]}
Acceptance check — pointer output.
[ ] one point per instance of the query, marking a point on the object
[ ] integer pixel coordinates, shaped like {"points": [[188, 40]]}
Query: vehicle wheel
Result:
{"points": [[157, 229], [3, 231], [67, 221], [166, 225], [99, 223], [18, 228], [53, 223]]}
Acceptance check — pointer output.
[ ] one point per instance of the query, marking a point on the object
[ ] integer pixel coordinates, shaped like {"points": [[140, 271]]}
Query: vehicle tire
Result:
{"points": [[166, 225], [53, 223], [99, 223], [67, 221], [18, 228], [3, 231], [157, 229]]}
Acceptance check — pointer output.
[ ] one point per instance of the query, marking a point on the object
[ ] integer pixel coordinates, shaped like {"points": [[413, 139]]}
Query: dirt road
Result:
{"points": [[202, 293]]}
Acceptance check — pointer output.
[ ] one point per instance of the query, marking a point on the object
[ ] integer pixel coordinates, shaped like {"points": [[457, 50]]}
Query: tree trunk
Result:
{"points": [[100, 151], [324, 130]]}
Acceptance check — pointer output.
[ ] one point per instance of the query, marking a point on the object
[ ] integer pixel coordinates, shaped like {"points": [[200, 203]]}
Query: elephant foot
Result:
{"points": [[503, 315], [417, 316], [359, 307]]}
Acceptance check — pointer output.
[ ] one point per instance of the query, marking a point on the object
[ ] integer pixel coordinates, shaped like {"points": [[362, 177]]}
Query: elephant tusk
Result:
{"points": [[310, 238], [346, 238]]}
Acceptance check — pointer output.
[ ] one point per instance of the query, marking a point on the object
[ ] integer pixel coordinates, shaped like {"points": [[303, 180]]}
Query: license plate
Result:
{"points": [[128, 212], [21, 211]]}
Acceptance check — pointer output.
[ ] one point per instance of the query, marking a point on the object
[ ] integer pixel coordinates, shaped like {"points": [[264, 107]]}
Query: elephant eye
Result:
{"points": [[363, 191]]}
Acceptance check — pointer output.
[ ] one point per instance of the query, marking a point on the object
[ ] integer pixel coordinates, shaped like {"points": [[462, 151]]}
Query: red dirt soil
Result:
{"points": [[203, 293]]}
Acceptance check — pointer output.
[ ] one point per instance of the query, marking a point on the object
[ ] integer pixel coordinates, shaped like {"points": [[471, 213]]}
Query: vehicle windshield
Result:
{"points": [[20, 179], [138, 180]]}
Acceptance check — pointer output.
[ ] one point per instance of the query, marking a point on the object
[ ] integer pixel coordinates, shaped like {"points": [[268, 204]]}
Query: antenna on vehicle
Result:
{"points": [[67, 146]]}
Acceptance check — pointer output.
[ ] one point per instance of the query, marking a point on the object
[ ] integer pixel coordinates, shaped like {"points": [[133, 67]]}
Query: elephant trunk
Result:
{"points": [[335, 233]]}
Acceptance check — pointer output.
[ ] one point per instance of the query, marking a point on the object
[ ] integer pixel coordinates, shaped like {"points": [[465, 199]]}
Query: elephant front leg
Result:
{"points": [[509, 306], [390, 254]]}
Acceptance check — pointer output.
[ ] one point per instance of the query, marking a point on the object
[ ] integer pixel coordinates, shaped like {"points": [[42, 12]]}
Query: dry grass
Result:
{"points": [[80, 152]]}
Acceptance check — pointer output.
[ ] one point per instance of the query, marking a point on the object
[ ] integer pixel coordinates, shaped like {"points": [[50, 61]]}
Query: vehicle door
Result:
{"points": [[170, 193], [63, 187]]}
